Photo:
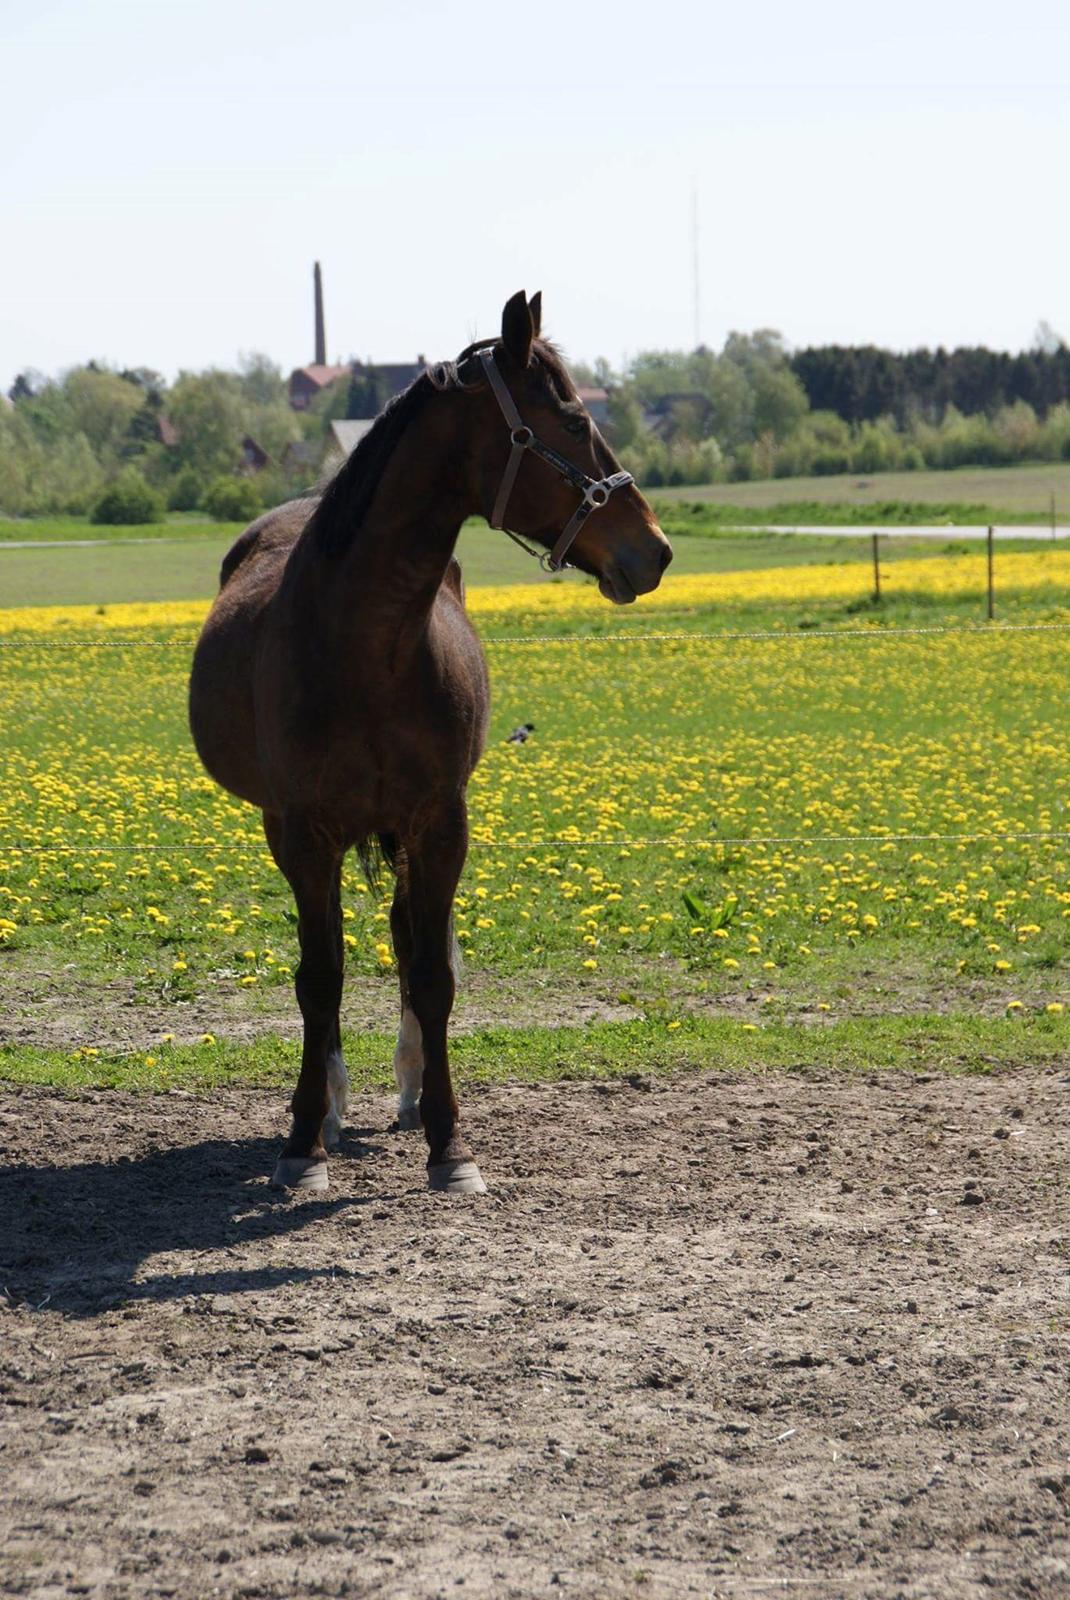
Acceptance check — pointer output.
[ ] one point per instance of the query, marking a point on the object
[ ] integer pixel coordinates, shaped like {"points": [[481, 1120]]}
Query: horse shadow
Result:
{"points": [[79, 1235]]}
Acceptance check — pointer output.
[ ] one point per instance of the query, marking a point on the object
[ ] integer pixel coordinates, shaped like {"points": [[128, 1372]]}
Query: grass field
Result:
{"points": [[1025, 491], [699, 826], [188, 568]]}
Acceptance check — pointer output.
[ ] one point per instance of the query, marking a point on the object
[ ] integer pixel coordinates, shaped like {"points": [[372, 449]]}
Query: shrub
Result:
{"points": [[185, 492], [1053, 440], [232, 500], [830, 461], [128, 501], [654, 463]]}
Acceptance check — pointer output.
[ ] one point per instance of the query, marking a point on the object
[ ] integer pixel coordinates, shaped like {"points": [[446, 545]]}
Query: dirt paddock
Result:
{"points": [[706, 1335]]}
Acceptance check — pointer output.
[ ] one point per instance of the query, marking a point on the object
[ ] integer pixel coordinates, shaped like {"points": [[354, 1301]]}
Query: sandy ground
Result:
{"points": [[710, 1335]]}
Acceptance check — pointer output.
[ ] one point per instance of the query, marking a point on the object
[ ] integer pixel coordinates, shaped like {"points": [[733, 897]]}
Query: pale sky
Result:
{"points": [[169, 171]]}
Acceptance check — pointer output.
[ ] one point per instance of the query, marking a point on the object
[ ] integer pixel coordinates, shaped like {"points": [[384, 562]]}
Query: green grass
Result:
{"points": [[713, 518], [949, 1043], [1006, 492], [170, 896], [188, 569], [110, 573]]}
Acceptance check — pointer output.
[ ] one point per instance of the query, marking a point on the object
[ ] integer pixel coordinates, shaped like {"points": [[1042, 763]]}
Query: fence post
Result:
{"points": [[991, 584], [876, 567]]}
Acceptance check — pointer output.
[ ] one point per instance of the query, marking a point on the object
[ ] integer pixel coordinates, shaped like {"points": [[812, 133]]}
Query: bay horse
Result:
{"points": [[339, 685]]}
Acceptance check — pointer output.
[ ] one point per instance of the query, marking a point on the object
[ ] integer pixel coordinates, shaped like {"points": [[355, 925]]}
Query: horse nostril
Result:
{"points": [[666, 556]]}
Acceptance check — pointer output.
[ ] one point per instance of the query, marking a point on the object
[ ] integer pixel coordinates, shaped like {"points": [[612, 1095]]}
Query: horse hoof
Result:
{"points": [[300, 1172], [456, 1177], [408, 1118]]}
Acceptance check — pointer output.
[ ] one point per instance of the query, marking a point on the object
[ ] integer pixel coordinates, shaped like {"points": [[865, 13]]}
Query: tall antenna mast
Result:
{"points": [[694, 264]]}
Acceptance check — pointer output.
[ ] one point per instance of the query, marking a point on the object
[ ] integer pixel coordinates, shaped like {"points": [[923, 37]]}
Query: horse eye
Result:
{"points": [[576, 424]]}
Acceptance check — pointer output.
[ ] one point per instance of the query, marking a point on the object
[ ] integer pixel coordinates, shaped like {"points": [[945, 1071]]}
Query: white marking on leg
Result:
{"points": [[338, 1084], [409, 1069]]}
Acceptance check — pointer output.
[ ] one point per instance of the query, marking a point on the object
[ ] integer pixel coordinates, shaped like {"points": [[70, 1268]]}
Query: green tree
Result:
{"points": [[261, 380], [185, 492], [625, 418], [101, 405], [367, 395], [780, 401], [208, 410]]}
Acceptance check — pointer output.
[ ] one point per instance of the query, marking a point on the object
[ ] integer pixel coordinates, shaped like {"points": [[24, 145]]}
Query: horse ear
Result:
{"points": [[518, 330], [535, 306]]}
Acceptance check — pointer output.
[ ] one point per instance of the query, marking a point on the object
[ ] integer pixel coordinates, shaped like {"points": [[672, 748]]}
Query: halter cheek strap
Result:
{"points": [[595, 491]]}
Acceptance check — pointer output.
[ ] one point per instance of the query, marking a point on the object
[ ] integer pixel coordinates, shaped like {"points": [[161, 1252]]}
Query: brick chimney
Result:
{"points": [[321, 336]]}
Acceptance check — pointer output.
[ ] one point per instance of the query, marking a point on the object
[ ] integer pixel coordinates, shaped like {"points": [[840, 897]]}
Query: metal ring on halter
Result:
{"points": [[521, 436]]}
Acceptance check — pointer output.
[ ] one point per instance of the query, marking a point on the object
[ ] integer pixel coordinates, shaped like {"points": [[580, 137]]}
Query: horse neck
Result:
{"points": [[383, 586]]}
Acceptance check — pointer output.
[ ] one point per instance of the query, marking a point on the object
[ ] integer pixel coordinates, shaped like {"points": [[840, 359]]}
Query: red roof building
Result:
{"points": [[307, 382]]}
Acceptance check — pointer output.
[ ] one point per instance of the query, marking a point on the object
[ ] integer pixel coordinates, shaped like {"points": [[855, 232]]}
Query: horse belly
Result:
{"points": [[222, 716]]}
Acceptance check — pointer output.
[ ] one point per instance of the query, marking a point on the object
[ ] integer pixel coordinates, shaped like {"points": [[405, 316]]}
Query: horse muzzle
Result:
{"points": [[631, 573]]}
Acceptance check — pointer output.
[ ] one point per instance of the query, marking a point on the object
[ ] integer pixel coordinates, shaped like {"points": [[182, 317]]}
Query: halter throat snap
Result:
{"points": [[596, 491]]}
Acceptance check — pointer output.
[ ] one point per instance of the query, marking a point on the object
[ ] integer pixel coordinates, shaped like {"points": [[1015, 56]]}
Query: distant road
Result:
{"points": [[840, 531], [90, 544]]}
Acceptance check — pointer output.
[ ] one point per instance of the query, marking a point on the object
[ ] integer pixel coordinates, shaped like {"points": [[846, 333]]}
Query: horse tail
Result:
{"points": [[377, 851], [381, 850]]}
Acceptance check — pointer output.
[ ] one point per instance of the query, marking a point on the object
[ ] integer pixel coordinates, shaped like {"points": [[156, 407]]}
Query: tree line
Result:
{"points": [[862, 383], [756, 410], [124, 445]]}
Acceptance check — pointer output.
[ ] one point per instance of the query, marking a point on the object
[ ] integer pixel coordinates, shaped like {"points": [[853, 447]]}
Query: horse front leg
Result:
{"points": [[313, 866], [435, 860]]}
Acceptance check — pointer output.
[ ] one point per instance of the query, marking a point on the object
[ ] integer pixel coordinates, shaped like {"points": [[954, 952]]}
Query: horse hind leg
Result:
{"points": [[435, 860], [409, 1069], [409, 1050], [337, 1076], [313, 867], [338, 1089]]}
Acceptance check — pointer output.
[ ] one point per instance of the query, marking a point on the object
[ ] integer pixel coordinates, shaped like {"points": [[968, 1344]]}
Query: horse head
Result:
{"points": [[543, 471]]}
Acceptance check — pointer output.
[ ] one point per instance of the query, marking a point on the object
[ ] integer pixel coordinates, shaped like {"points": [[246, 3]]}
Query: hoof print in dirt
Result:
{"points": [[664, 1475]]}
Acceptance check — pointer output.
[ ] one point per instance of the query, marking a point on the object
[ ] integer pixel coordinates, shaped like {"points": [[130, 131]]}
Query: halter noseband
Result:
{"points": [[595, 491]]}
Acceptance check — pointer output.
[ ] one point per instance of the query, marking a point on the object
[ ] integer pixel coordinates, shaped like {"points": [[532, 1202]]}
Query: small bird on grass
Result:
{"points": [[522, 734]]}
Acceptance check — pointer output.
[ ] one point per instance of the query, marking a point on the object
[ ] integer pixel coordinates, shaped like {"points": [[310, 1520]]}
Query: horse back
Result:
{"points": [[278, 529]]}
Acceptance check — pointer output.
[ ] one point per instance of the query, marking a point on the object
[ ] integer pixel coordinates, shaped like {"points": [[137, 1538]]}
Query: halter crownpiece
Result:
{"points": [[595, 491]]}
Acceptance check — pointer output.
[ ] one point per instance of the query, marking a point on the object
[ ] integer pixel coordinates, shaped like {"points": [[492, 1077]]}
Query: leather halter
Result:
{"points": [[595, 491]]}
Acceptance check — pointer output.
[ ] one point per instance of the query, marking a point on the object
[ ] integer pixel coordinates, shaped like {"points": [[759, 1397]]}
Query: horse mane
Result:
{"points": [[344, 503], [336, 521]]}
